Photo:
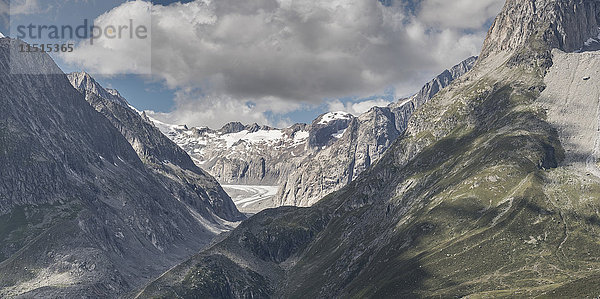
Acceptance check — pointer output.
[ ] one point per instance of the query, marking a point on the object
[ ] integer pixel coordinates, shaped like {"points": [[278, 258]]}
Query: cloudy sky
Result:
{"points": [[275, 62]]}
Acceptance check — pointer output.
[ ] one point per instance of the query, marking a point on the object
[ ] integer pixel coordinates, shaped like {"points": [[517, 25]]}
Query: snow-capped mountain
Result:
{"points": [[306, 161], [361, 142], [240, 154]]}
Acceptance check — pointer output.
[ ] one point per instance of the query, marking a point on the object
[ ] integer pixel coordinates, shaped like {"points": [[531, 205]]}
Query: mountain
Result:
{"points": [[83, 213], [492, 191], [564, 25], [242, 154], [185, 180], [306, 162], [85, 83]]}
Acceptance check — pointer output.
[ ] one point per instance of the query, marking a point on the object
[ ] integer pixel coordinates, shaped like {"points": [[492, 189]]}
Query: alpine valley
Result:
{"points": [[304, 162], [484, 184]]}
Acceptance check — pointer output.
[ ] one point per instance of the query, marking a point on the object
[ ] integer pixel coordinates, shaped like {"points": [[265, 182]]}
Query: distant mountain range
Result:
{"points": [[306, 161]]}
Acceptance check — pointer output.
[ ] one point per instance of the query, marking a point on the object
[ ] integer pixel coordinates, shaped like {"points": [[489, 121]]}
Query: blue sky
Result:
{"points": [[401, 45]]}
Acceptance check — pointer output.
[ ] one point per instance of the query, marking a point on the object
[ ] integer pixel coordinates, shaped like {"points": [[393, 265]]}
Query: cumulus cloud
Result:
{"points": [[194, 108], [120, 44], [295, 51], [464, 14]]}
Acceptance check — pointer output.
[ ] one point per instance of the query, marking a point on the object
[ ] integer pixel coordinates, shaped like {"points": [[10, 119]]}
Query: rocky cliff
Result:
{"points": [[172, 164], [492, 191], [81, 215], [561, 24]]}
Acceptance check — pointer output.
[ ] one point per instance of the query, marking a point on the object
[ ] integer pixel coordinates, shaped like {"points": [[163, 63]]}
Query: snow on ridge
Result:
{"points": [[301, 135], [2, 35], [331, 116], [590, 41], [163, 127], [406, 101], [339, 134], [255, 137]]}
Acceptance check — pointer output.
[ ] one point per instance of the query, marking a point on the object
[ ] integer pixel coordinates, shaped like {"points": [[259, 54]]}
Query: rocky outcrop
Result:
{"points": [[81, 215], [561, 24], [83, 82], [327, 128]]}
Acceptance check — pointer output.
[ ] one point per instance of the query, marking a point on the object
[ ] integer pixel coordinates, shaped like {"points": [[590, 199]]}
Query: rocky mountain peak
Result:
{"points": [[562, 24], [85, 83], [232, 127], [328, 127]]}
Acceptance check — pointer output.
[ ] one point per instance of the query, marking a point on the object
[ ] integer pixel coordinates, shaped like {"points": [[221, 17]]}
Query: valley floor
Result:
{"points": [[251, 199]]}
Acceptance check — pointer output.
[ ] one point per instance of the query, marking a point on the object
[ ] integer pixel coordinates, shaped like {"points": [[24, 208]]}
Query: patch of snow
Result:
{"points": [[134, 109], [1, 35], [198, 161], [339, 134], [301, 135], [261, 136], [164, 127], [331, 116], [589, 41], [405, 101]]}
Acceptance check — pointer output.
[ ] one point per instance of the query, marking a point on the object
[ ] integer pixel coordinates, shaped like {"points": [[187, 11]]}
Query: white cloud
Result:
{"points": [[295, 51], [24, 7], [118, 51], [356, 108], [464, 14], [197, 109]]}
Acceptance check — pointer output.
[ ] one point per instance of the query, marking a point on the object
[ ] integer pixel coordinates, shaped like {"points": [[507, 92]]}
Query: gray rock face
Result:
{"points": [[83, 82], [327, 128], [364, 141], [564, 24], [81, 215], [188, 182]]}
